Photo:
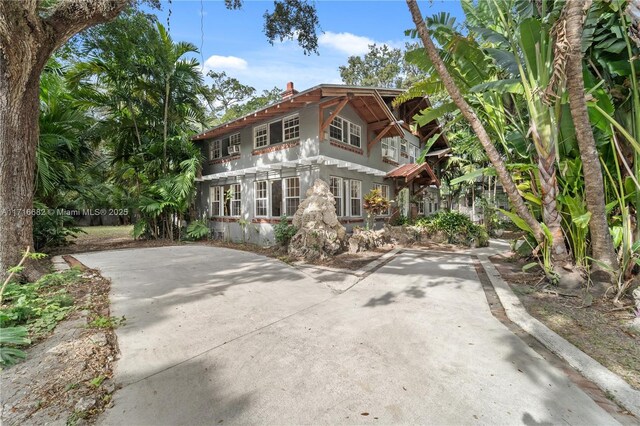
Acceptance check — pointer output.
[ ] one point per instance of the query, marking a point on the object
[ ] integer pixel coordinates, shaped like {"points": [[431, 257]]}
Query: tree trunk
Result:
{"points": [[18, 142], [470, 115], [549, 192], [28, 37], [601, 242]]}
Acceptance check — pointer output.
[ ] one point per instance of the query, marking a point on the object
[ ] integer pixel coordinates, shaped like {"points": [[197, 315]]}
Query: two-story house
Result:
{"points": [[260, 166]]}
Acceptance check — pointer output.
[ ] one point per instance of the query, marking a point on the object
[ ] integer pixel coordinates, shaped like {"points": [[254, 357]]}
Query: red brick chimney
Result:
{"points": [[289, 92]]}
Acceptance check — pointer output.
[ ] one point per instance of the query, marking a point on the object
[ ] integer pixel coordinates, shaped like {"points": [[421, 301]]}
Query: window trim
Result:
{"points": [[340, 195], [216, 145], [285, 194], [237, 198], [213, 192], [388, 143], [351, 197], [266, 127], [256, 199], [345, 136]]}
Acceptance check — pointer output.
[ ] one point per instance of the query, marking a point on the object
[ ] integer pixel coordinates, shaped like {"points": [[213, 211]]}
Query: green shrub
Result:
{"points": [[400, 220], [458, 228], [52, 230], [284, 232], [197, 230], [10, 339]]}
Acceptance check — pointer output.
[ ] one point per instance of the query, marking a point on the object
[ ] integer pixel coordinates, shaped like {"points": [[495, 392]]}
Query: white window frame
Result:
{"points": [[414, 153], [294, 129], [234, 139], [288, 184], [347, 129], [265, 198], [215, 149], [358, 184], [216, 196], [384, 190], [390, 147], [404, 148], [235, 205], [340, 207], [265, 141]]}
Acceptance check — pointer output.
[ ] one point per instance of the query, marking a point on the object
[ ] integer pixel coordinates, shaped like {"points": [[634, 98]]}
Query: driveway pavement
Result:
{"points": [[216, 336]]}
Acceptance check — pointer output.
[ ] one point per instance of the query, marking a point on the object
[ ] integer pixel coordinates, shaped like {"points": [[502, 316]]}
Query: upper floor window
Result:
{"points": [[403, 147], [345, 131], [215, 149], [414, 153], [390, 147], [234, 139], [283, 130]]}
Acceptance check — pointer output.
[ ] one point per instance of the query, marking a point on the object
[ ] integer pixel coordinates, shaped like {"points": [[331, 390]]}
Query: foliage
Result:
{"points": [[400, 220], [33, 309], [458, 228], [10, 339], [284, 232], [198, 229], [375, 204], [107, 322], [381, 66]]}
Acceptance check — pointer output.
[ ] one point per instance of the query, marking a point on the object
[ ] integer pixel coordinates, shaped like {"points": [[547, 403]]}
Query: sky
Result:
{"points": [[233, 40]]}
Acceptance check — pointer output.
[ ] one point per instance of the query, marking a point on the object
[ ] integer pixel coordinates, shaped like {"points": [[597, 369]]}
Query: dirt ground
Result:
{"points": [[601, 330], [66, 378]]}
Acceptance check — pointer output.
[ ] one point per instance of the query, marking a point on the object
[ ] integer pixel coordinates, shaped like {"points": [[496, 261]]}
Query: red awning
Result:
{"points": [[411, 171]]}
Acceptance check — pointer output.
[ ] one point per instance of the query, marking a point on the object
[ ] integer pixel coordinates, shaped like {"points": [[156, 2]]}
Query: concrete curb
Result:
{"points": [[59, 264], [606, 380], [377, 263]]}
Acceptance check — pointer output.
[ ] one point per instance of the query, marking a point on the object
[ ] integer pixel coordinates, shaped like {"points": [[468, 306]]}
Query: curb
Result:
{"points": [[606, 380], [59, 264], [369, 267]]}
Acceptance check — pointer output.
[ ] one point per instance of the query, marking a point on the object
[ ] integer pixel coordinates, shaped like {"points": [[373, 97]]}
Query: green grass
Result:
{"points": [[106, 231]]}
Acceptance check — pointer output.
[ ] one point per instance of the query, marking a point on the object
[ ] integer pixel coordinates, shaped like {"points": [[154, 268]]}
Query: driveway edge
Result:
{"points": [[606, 380]]}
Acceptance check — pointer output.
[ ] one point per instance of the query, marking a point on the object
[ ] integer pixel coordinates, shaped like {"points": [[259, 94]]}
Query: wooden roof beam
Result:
{"points": [[378, 138], [334, 114]]}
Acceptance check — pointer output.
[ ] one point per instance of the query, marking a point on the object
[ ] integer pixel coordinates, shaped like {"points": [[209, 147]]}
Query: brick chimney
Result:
{"points": [[289, 92]]}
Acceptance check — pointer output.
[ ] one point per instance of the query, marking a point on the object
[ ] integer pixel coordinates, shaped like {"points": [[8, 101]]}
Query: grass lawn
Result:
{"points": [[105, 232]]}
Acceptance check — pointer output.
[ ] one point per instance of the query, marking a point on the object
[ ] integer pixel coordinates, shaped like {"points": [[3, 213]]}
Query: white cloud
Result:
{"points": [[348, 43], [225, 63]]}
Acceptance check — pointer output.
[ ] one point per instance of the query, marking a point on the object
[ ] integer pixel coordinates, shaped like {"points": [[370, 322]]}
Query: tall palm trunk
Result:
{"points": [[470, 115], [601, 242]]}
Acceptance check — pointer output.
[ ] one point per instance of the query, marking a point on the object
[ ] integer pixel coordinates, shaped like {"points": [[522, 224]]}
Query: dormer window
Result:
{"points": [[345, 131], [284, 130]]}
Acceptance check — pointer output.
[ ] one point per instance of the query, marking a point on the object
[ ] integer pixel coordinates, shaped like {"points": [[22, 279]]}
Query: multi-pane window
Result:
{"points": [[261, 197], [335, 129], [236, 203], [234, 139], [384, 191], [335, 184], [291, 195], [355, 132], [403, 146], [278, 131], [215, 149], [421, 207], [215, 195], [355, 196], [390, 147], [414, 153], [345, 131], [260, 136], [291, 127]]}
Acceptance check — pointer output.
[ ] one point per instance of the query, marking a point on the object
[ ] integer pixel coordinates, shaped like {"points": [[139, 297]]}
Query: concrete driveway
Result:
{"points": [[216, 336]]}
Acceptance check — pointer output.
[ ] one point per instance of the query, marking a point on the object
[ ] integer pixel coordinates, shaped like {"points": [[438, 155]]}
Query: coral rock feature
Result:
{"points": [[320, 234], [362, 240]]}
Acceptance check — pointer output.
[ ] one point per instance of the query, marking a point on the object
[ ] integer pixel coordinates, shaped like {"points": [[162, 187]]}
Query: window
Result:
{"points": [[215, 195], [260, 136], [354, 134], [291, 127], [414, 153], [236, 203], [355, 195], [277, 131], [335, 183], [215, 150], [345, 131], [403, 146], [276, 198], [234, 139], [421, 207], [291, 195], [390, 147], [335, 129], [262, 202], [384, 190]]}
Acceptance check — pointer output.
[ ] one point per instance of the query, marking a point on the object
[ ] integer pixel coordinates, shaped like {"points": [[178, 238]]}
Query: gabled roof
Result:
{"points": [[411, 171], [372, 104]]}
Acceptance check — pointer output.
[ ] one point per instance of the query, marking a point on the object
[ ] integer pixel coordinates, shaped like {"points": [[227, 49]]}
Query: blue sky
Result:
{"points": [[233, 41]]}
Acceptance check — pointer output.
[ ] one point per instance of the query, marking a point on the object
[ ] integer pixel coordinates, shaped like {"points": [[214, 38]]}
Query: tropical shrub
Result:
{"points": [[197, 230], [458, 228], [10, 339], [375, 205], [284, 232]]}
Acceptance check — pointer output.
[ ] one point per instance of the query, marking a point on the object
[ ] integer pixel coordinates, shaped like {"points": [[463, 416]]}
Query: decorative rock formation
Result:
{"points": [[362, 240], [320, 234]]}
